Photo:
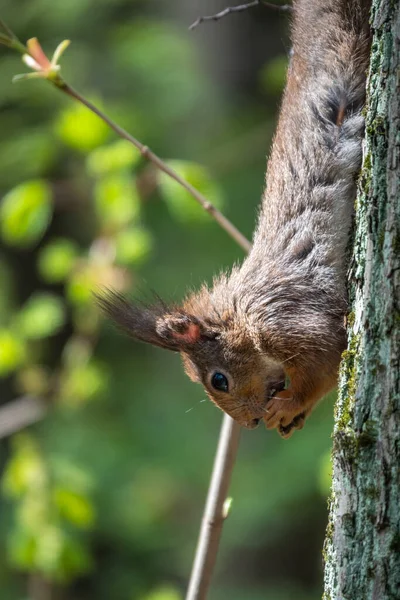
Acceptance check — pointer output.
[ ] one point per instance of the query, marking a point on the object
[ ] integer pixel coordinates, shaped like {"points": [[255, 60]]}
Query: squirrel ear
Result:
{"points": [[155, 324], [179, 328]]}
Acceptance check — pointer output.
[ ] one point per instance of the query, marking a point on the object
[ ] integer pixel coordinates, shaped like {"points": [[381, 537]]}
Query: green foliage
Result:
{"points": [[81, 284], [12, 352], [25, 470], [120, 155], [180, 203], [43, 315], [74, 507], [82, 383], [25, 213], [133, 246], [40, 541], [57, 259], [80, 129], [163, 593], [116, 199], [29, 153]]}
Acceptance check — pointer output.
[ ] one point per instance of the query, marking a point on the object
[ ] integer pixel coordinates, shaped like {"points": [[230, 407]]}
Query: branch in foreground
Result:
{"points": [[35, 58], [20, 413], [213, 517], [240, 8], [162, 166]]}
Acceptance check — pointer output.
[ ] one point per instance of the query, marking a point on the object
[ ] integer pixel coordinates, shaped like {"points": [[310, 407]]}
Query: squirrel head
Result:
{"points": [[217, 352]]}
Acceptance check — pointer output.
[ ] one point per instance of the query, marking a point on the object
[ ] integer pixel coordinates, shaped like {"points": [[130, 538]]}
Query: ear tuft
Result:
{"points": [[155, 324], [137, 320]]}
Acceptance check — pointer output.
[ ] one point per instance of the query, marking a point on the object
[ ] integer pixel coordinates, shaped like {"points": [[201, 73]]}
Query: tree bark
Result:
{"points": [[362, 546]]}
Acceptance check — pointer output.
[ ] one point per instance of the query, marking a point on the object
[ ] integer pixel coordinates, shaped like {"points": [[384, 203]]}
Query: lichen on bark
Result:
{"points": [[362, 546]]}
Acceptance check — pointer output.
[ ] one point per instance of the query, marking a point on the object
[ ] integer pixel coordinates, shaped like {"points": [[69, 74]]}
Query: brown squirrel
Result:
{"points": [[280, 316]]}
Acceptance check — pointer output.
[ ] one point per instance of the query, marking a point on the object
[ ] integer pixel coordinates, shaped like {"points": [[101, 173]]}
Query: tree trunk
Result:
{"points": [[362, 546]]}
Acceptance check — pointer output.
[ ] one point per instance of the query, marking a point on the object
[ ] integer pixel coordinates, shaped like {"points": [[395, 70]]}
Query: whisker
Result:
{"points": [[290, 357], [200, 401]]}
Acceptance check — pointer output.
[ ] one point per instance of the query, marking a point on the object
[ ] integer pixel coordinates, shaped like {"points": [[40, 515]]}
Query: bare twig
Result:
{"points": [[213, 517], [55, 78], [6, 29], [240, 8], [160, 164], [20, 413], [10, 39]]}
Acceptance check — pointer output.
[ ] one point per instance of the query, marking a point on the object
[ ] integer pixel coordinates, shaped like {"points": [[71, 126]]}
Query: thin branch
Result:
{"points": [[214, 517], [56, 79], [20, 413], [162, 166], [6, 29], [240, 8]]}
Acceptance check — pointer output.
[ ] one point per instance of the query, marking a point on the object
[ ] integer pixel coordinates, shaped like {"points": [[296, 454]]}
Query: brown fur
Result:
{"points": [[280, 315]]}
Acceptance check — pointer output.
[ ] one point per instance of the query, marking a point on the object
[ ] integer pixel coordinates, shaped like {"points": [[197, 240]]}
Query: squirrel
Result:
{"points": [[280, 316]]}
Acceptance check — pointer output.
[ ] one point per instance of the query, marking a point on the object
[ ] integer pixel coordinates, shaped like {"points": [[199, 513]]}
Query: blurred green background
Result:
{"points": [[102, 498]]}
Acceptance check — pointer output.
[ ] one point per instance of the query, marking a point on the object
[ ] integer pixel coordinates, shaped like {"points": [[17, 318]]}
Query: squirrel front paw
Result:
{"points": [[295, 425], [284, 414]]}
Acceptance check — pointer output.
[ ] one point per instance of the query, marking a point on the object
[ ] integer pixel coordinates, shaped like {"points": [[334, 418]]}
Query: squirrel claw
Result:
{"points": [[283, 414], [296, 424]]}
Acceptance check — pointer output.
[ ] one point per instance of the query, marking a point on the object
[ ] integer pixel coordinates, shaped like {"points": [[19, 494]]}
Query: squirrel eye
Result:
{"points": [[219, 382]]}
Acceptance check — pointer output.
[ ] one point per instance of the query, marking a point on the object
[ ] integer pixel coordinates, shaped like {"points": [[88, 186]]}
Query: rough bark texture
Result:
{"points": [[362, 547]]}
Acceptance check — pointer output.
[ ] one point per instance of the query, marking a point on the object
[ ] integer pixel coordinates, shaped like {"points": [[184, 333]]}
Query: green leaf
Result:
{"points": [[133, 246], [75, 508], [49, 550], [25, 470], [116, 157], [22, 549], [164, 593], [12, 352], [116, 200], [25, 213], [75, 559], [57, 259], [81, 284], [84, 383], [81, 129], [43, 315], [33, 510], [181, 204]]}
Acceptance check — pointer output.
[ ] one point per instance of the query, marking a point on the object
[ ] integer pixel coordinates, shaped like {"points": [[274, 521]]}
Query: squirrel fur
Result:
{"points": [[280, 315]]}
